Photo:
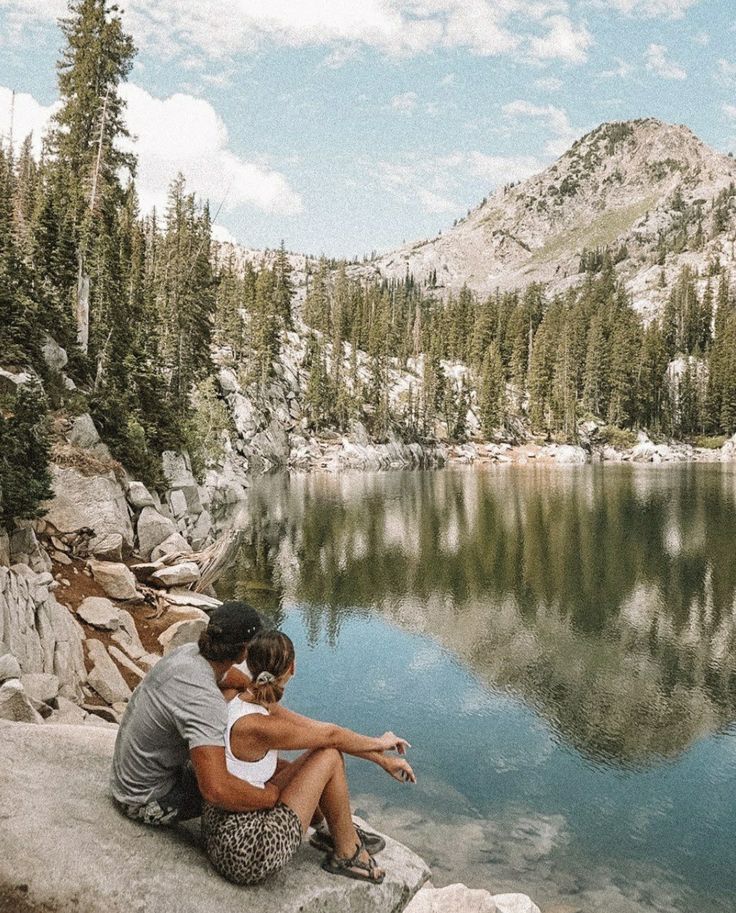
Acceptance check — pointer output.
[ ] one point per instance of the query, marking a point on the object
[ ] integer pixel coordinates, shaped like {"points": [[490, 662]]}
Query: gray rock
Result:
{"points": [[178, 503], [194, 503], [25, 549], [177, 574], [67, 713], [105, 676], [132, 649], [515, 903], [16, 705], [60, 557], [54, 356], [153, 529], [128, 628], [177, 469], [11, 381], [4, 549], [139, 496], [108, 714], [40, 633], [176, 544], [455, 898], [181, 632], [83, 433], [116, 579], [9, 667], [40, 686], [58, 774], [201, 530], [122, 660], [100, 613], [97, 502], [110, 547]]}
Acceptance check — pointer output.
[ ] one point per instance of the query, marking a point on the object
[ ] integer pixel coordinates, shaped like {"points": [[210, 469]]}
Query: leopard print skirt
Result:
{"points": [[246, 847]]}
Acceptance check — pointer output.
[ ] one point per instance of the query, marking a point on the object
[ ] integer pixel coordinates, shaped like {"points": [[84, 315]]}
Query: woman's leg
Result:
{"points": [[321, 781], [285, 773]]}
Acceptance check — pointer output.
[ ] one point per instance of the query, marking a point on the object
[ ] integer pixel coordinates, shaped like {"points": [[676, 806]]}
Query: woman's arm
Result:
{"points": [[283, 729]]}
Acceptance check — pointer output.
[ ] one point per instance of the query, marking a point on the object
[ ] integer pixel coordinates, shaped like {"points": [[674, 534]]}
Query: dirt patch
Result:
{"points": [[76, 583]]}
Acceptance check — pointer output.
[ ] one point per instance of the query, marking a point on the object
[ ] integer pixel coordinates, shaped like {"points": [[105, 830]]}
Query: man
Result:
{"points": [[170, 749]]}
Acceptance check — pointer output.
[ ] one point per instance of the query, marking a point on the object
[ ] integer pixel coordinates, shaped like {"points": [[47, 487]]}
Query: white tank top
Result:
{"points": [[257, 773]]}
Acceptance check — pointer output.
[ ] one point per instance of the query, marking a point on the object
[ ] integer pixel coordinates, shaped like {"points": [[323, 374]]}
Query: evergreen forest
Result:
{"points": [[147, 307]]}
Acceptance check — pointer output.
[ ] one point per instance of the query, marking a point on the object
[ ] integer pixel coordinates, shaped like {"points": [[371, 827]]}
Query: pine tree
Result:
{"points": [[25, 481], [491, 393]]}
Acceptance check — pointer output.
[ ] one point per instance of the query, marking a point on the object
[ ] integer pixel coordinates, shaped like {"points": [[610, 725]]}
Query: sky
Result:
{"points": [[345, 127]]}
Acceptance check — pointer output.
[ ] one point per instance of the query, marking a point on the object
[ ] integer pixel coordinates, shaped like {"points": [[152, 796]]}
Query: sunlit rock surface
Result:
{"points": [[65, 848]]}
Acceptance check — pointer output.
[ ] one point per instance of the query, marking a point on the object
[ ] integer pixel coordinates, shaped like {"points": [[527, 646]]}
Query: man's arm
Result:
{"points": [[219, 787], [234, 679]]}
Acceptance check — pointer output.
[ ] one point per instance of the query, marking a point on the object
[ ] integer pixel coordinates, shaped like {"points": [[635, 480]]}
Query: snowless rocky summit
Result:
{"points": [[621, 186]]}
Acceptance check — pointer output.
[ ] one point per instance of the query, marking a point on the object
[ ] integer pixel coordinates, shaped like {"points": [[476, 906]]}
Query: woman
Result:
{"points": [[246, 847]]}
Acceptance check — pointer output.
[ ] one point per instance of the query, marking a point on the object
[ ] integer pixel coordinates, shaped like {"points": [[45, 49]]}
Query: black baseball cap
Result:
{"points": [[234, 622]]}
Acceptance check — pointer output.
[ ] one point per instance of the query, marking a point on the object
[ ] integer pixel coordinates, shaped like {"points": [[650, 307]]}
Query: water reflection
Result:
{"points": [[603, 596]]}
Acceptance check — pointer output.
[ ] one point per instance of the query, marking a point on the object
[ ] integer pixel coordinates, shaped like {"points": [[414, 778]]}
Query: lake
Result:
{"points": [[557, 643]]}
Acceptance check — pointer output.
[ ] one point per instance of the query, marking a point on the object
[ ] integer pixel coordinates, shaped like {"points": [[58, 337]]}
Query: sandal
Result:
{"points": [[336, 865], [322, 840]]}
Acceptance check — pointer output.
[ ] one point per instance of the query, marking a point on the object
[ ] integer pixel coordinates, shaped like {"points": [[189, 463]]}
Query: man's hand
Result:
{"points": [[219, 787]]}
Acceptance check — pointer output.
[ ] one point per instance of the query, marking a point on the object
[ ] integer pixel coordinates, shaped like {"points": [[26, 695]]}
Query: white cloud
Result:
{"points": [[433, 203], [405, 103], [726, 73], [436, 183], [650, 9], [548, 84], [563, 41], [702, 39], [621, 69], [730, 111], [503, 169], [183, 133], [555, 119], [223, 235], [657, 62], [27, 116], [340, 56], [179, 133], [541, 28]]}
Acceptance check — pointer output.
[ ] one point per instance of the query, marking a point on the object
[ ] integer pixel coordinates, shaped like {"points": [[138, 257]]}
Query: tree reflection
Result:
{"points": [[602, 595]]}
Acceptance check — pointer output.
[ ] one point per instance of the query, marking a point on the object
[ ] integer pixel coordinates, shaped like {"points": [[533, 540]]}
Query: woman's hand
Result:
{"points": [[391, 742], [399, 769]]}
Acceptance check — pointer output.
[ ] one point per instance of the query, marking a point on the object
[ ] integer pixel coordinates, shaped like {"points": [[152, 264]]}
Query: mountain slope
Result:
{"points": [[647, 190]]}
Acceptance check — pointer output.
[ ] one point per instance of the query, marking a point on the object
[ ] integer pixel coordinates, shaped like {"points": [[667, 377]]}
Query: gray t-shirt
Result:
{"points": [[176, 707]]}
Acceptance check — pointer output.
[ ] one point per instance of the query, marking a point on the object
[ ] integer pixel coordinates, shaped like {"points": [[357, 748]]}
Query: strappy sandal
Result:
{"points": [[374, 843], [336, 865]]}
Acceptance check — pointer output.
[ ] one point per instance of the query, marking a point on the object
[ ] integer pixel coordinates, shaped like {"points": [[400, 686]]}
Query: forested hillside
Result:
{"points": [[148, 310]]}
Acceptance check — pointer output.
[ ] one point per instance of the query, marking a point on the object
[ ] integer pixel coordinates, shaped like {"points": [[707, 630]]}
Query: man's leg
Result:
{"points": [[182, 803]]}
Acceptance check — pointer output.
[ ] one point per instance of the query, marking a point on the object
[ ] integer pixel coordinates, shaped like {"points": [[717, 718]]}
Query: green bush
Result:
{"points": [[619, 438]]}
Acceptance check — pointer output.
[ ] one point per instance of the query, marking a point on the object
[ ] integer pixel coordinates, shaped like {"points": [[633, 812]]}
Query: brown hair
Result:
{"points": [[270, 657]]}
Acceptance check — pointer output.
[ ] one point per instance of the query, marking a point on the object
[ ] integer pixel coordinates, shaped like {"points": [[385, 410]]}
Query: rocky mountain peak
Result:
{"points": [[627, 186]]}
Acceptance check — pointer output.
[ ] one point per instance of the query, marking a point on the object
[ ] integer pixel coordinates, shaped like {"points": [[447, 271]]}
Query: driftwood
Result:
{"points": [[211, 561]]}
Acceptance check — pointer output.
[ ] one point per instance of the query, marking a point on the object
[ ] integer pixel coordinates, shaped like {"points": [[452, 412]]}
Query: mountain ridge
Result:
{"points": [[650, 192]]}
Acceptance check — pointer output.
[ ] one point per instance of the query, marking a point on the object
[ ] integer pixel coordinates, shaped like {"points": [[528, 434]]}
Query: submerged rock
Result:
{"points": [[59, 774]]}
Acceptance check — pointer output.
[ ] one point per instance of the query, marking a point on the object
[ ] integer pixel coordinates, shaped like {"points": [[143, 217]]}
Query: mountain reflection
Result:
{"points": [[604, 596]]}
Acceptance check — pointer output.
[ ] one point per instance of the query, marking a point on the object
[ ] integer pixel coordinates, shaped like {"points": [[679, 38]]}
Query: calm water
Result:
{"points": [[559, 646]]}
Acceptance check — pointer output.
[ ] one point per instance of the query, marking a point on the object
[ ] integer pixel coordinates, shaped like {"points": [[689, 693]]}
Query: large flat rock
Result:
{"points": [[62, 838]]}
